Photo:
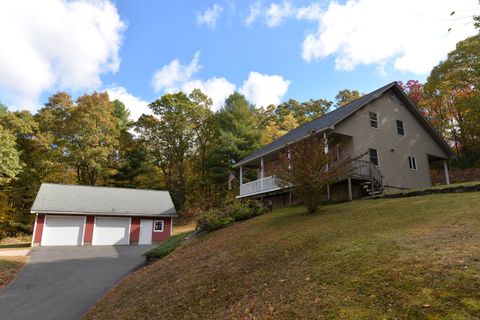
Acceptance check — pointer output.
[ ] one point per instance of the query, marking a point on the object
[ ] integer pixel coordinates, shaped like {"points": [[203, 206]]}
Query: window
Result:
{"points": [[412, 163], [400, 128], [373, 156], [158, 226], [373, 120]]}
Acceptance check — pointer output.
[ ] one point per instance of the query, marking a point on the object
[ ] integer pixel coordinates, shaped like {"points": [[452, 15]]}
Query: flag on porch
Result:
{"points": [[231, 177]]}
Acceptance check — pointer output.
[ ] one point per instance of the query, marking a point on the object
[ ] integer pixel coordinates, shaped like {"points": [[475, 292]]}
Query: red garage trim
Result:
{"points": [[167, 227], [37, 237], [87, 239], [135, 230]]}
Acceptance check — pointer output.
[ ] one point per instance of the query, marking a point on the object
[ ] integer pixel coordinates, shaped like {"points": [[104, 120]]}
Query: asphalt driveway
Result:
{"points": [[64, 282]]}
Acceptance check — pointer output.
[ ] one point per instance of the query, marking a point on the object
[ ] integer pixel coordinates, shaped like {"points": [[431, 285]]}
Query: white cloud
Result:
{"points": [[408, 35], [136, 105], [263, 89], [56, 45], [255, 10], [276, 13], [210, 16], [218, 89], [175, 77], [172, 75]]}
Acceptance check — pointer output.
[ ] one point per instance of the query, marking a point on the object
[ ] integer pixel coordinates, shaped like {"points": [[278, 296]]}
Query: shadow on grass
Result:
{"points": [[14, 245]]}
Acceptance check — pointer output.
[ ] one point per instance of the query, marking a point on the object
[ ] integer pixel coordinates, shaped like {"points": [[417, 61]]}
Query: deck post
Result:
{"points": [[241, 175], [262, 173], [350, 197], [290, 197], [445, 168], [329, 197]]}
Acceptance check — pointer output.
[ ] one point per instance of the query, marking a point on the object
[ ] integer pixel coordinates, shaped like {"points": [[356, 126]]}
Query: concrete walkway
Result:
{"points": [[14, 252], [65, 282]]}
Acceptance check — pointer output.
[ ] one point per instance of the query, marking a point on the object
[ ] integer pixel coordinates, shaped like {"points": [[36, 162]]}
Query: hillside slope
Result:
{"points": [[409, 258]]}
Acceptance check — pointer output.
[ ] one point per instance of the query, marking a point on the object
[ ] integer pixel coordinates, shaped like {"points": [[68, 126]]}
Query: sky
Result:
{"points": [[270, 51]]}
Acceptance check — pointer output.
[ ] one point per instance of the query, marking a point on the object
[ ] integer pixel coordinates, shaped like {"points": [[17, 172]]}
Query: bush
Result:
{"points": [[230, 212], [166, 247]]}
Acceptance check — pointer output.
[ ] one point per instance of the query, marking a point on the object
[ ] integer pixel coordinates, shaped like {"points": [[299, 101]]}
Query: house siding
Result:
{"points": [[90, 222], [135, 230], [393, 149], [37, 237], [87, 238], [167, 229]]}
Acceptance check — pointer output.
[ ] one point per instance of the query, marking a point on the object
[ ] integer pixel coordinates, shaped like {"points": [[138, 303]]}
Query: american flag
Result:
{"points": [[231, 177]]}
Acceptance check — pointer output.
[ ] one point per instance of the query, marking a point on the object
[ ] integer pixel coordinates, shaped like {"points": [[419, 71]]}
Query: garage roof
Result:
{"points": [[74, 199]]}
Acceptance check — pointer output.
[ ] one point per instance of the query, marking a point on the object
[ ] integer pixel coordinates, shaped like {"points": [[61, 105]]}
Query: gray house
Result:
{"points": [[398, 142]]}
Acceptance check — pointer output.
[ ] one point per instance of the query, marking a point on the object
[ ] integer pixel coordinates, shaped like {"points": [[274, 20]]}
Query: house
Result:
{"points": [[399, 145], [73, 215]]}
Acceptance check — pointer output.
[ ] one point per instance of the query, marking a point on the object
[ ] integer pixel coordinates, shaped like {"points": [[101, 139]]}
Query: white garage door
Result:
{"points": [[63, 231], [111, 231]]}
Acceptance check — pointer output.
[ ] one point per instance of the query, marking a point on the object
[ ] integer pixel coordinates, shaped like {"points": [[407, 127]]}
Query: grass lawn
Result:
{"points": [[15, 243], [406, 258], [9, 267]]}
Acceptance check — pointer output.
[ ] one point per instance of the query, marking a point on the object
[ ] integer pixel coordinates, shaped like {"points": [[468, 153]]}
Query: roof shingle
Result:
{"points": [[74, 199]]}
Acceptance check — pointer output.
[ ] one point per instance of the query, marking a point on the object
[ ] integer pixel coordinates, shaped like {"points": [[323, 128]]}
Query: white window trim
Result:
{"points": [[378, 157], [412, 163], [370, 120], [163, 225], [403, 125]]}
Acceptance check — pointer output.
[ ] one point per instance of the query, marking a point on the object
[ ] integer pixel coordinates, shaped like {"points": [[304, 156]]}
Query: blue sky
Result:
{"points": [[269, 50]]}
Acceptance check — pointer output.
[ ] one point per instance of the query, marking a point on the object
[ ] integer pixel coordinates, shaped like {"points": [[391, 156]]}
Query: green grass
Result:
{"points": [[14, 245], [406, 258], [166, 247]]}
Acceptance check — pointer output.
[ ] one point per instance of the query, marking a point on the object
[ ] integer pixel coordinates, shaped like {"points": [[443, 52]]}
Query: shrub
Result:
{"points": [[230, 212], [165, 247]]}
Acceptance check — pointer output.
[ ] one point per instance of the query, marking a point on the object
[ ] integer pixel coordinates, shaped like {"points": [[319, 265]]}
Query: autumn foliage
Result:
{"points": [[308, 167]]}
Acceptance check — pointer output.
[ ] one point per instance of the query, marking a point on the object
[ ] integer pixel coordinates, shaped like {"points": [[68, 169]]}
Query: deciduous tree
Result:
{"points": [[307, 169]]}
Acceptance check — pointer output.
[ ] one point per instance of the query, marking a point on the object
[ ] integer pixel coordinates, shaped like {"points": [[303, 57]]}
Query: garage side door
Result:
{"points": [[63, 231], [111, 231]]}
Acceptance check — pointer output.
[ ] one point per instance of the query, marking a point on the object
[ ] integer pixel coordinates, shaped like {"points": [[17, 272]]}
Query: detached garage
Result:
{"points": [[70, 215]]}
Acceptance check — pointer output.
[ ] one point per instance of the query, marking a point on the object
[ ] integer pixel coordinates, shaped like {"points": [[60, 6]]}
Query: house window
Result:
{"points": [[400, 128], [412, 163], [158, 226], [373, 120], [373, 156]]}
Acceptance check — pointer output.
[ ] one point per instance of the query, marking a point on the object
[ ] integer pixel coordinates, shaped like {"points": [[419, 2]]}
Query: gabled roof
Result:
{"points": [[329, 120], [75, 199]]}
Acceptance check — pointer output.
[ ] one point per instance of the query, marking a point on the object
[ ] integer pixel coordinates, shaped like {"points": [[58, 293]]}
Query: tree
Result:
{"points": [[303, 112], [9, 157], [452, 94], [414, 90], [239, 128], [346, 96], [206, 136], [169, 138], [307, 169], [275, 130], [122, 114], [3, 109]]}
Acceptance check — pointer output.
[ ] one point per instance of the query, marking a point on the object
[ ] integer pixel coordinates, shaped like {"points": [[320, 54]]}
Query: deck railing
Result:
{"points": [[360, 169], [259, 186]]}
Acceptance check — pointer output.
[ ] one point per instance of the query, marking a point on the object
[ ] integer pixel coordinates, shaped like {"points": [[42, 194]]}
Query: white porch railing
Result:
{"points": [[359, 169], [259, 186]]}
